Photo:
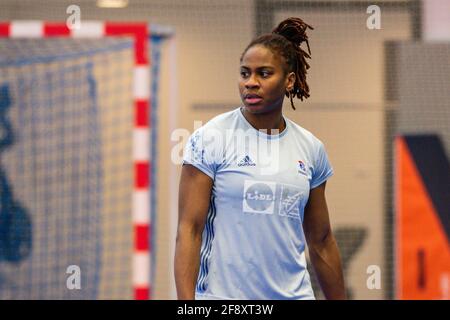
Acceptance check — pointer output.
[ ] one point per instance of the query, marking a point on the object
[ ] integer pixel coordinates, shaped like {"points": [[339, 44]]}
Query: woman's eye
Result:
{"points": [[244, 74], [265, 74]]}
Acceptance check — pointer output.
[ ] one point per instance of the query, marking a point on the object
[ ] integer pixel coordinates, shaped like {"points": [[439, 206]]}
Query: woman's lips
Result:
{"points": [[252, 99]]}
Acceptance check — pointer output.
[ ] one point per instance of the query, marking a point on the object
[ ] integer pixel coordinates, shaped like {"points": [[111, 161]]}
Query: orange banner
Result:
{"points": [[422, 247]]}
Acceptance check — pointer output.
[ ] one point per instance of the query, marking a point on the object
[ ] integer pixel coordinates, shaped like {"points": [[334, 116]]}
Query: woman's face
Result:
{"points": [[262, 81]]}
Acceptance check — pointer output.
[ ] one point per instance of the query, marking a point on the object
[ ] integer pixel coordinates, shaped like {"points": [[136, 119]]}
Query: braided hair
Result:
{"points": [[285, 40]]}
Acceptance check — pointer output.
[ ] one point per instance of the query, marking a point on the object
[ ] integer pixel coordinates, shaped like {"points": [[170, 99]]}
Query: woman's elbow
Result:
{"points": [[190, 230], [321, 241]]}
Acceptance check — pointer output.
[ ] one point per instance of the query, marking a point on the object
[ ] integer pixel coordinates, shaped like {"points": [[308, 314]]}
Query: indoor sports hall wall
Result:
{"points": [[350, 108]]}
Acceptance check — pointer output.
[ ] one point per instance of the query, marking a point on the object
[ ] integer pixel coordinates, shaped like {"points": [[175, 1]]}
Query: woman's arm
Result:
{"points": [[323, 250], [193, 204]]}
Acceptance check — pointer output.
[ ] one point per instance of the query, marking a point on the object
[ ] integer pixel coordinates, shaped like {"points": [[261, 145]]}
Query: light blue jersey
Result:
{"points": [[253, 245]]}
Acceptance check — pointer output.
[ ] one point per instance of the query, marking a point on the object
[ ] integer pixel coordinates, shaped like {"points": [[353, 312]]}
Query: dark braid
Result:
{"points": [[286, 39]]}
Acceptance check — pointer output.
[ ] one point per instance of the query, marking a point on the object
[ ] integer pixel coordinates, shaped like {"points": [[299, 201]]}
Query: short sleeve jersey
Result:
{"points": [[253, 244]]}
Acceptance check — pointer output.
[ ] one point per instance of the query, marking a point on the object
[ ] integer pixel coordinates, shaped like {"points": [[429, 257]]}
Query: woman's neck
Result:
{"points": [[271, 121]]}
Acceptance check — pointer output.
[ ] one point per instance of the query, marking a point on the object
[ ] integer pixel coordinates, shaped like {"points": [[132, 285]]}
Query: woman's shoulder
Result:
{"points": [[222, 121], [303, 134]]}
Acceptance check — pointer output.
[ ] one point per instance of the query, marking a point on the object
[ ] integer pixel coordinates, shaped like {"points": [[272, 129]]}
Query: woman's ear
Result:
{"points": [[290, 81]]}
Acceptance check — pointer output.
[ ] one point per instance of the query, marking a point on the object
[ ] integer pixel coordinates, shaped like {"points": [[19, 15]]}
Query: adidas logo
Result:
{"points": [[246, 162]]}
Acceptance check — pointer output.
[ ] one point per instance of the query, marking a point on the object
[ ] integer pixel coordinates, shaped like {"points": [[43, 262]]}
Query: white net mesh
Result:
{"points": [[66, 167]]}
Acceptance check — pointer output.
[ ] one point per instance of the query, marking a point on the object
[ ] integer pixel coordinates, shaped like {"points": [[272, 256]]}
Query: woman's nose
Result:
{"points": [[251, 82]]}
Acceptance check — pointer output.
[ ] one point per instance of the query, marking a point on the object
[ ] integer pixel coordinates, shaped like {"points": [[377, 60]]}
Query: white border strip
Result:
{"points": [[141, 267], [141, 144], [26, 29], [141, 82], [141, 207], [90, 29]]}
